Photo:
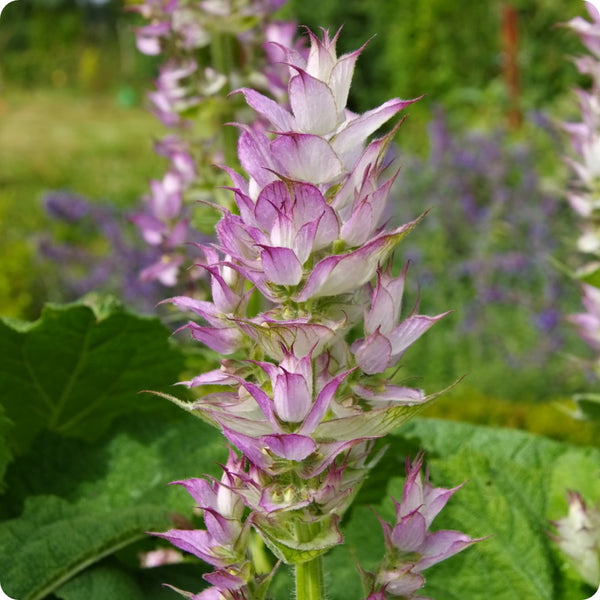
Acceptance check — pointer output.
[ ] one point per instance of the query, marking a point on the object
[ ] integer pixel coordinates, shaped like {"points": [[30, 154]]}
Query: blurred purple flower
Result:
{"points": [[66, 206], [489, 235], [83, 269], [188, 87]]}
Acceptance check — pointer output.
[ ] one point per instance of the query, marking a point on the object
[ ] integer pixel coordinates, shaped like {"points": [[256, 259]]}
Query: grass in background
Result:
{"points": [[53, 139]]}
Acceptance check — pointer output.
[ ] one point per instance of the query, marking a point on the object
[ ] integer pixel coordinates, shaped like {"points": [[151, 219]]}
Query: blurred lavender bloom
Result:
{"points": [[82, 269], [177, 152], [492, 294], [63, 253], [187, 87], [548, 320], [66, 206], [492, 227], [173, 94]]}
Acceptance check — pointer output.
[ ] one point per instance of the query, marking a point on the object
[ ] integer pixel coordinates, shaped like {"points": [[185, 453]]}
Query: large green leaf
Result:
{"points": [[74, 370], [84, 501], [5, 450], [588, 406], [133, 464], [78, 491], [54, 540], [515, 483], [109, 581], [101, 583]]}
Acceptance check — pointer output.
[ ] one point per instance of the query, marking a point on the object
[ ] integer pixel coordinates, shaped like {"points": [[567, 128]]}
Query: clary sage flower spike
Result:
{"points": [[304, 388]]}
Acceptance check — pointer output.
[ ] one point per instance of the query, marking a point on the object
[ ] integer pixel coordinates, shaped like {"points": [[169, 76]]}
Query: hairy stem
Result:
{"points": [[223, 58], [309, 580]]}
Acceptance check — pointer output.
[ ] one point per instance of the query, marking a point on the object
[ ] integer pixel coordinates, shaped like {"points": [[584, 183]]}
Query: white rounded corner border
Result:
{"points": [[596, 596], [3, 4]]}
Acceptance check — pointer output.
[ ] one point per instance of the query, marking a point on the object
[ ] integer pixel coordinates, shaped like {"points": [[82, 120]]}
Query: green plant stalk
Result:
{"points": [[223, 59], [309, 580]]}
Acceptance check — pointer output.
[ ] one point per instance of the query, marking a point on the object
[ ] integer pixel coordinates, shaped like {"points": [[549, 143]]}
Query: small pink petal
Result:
{"points": [[443, 544], [290, 446], [224, 341], [306, 158], [195, 541], [291, 397], [373, 355], [270, 110], [410, 330], [343, 273], [281, 266], [410, 533], [251, 448], [313, 105], [351, 140]]}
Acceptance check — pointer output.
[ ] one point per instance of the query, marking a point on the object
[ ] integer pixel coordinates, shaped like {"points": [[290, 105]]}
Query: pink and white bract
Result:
{"points": [[578, 536], [410, 546]]}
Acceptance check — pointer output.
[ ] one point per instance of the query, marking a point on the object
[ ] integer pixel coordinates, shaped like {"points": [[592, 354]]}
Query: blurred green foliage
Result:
{"points": [[552, 417], [64, 43], [450, 51]]}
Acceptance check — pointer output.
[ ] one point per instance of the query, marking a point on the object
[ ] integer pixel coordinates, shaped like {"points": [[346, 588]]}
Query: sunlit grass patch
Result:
{"points": [[58, 140], [51, 139], [552, 418]]}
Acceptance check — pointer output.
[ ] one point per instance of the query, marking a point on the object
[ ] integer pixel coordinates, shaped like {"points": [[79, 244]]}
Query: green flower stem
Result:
{"points": [[309, 580], [223, 59]]}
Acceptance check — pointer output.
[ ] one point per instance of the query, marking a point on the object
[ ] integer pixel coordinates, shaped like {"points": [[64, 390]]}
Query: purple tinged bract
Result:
{"points": [[410, 546], [578, 537], [583, 197]]}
